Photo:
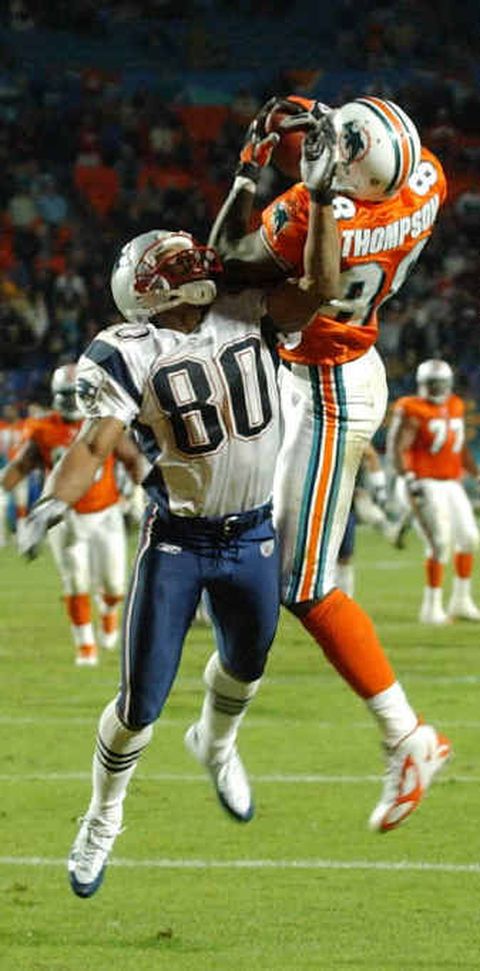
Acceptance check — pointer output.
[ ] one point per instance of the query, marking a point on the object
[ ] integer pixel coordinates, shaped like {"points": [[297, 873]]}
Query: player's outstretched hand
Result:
{"points": [[317, 163], [44, 513], [258, 145]]}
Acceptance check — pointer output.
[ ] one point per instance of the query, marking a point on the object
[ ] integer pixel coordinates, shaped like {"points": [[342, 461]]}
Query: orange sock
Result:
{"points": [[464, 565], [110, 621], [349, 641], [111, 599], [108, 611], [79, 609], [434, 572]]}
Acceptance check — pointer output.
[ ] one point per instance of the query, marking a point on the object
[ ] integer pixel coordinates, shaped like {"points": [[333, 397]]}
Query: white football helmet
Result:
{"points": [[63, 392], [161, 269], [378, 149], [434, 380]]}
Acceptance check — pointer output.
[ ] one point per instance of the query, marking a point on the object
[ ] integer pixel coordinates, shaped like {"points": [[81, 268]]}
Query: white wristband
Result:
{"points": [[243, 182]]}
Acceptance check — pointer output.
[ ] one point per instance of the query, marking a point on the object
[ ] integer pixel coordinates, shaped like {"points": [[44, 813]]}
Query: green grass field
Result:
{"points": [[304, 885]]}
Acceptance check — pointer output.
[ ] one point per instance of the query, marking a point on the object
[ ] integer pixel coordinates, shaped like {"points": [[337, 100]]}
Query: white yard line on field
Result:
{"points": [[254, 721], [276, 778], [400, 865]]}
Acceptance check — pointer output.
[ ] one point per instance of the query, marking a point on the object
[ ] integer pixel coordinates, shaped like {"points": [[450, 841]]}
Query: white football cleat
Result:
{"points": [[229, 778], [87, 656], [463, 609], [89, 855], [433, 615], [412, 765], [108, 639]]}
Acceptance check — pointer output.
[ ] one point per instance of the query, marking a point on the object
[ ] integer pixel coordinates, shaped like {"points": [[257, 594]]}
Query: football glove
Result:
{"points": [[259, 144], [378, 487], [317, 163], [414, 487], [44, 514]]}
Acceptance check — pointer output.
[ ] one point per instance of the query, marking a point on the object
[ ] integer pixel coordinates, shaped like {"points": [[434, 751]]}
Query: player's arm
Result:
{"points": [[377, 478], [469, 463], [75, 472], [70, 478], [28, 458], [246, 259], [292, 304], [130, 456], [402, 439]]}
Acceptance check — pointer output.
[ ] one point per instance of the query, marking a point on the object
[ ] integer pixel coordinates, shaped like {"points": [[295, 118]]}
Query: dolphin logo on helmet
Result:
{"points": [[378, 149]]}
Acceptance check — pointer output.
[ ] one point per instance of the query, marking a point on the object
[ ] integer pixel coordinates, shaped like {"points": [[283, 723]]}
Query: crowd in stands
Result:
{"points": [[87, 163]]}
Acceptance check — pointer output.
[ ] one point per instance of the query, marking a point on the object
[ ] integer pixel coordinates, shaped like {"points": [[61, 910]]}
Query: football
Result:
{"points": [[286, 155]]}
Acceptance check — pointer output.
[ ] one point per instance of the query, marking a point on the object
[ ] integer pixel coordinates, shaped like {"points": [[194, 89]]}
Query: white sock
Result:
{"points": [[394, 713], [461, 588], [115, 759], [82, 634], [345, 578], [432, 598], [224, 706]]}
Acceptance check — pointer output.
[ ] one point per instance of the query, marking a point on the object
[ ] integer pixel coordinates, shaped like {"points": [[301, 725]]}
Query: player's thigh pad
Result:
{"points": [[329, 414], [434, 519], [244, 591], [108, 548], [70, 553], [464, 525], [164, 591]]}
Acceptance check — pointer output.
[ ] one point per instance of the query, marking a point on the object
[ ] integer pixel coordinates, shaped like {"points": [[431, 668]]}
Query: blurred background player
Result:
{"points": [[89, 546], [368, 508], [386, 193], [426, 444]]}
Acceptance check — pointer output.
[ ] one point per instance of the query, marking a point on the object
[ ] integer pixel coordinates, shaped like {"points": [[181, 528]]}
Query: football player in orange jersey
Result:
{"points": [[386, 192], [89, 546], [426, 444]]}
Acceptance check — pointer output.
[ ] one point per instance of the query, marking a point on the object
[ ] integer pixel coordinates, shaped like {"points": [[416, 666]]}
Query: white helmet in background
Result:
{"points": [[63, 392], [434, 380], [161, 269], [378, 149]]}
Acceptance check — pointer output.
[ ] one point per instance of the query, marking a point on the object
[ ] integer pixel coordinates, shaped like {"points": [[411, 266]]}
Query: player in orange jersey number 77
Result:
{"points": [[426, 442]]}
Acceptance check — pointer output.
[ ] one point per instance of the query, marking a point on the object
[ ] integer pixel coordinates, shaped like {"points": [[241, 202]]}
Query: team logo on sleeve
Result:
{"points": [[280, 218], [87, 394]]}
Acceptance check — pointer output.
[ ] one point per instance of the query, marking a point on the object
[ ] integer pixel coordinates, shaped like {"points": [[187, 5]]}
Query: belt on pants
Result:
{"points": [[215, 528]]}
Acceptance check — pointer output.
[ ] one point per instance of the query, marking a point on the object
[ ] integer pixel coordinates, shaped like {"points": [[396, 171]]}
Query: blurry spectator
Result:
{"points": [[22, 209], [99, 185], [51, 204]]}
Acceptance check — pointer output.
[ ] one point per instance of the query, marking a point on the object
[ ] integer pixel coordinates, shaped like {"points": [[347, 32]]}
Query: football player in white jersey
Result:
{"points": [[194, 376]]}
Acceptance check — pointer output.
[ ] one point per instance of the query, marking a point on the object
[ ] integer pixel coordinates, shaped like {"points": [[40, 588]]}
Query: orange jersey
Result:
{"points": [[52, 435], [380, 243], [5, 439], [436, 452], [16, 436]]}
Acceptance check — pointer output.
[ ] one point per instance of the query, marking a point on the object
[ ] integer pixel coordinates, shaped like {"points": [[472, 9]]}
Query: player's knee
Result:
{"points": [[470, 543]]}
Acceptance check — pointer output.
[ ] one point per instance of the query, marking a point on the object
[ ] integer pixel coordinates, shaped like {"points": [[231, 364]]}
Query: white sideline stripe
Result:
{"points": [[280, 778], [403, 865], [255, 721]]}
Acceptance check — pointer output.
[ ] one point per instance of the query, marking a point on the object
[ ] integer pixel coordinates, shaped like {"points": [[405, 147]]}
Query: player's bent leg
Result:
{"points": [[350, 643], [411, 767], [212, 740], [79, 610], [109, 628], [117, 752], [461, 605]]}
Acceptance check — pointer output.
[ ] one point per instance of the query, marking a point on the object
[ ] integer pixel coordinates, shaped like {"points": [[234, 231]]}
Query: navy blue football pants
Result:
{"points": [[235, 559]]}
